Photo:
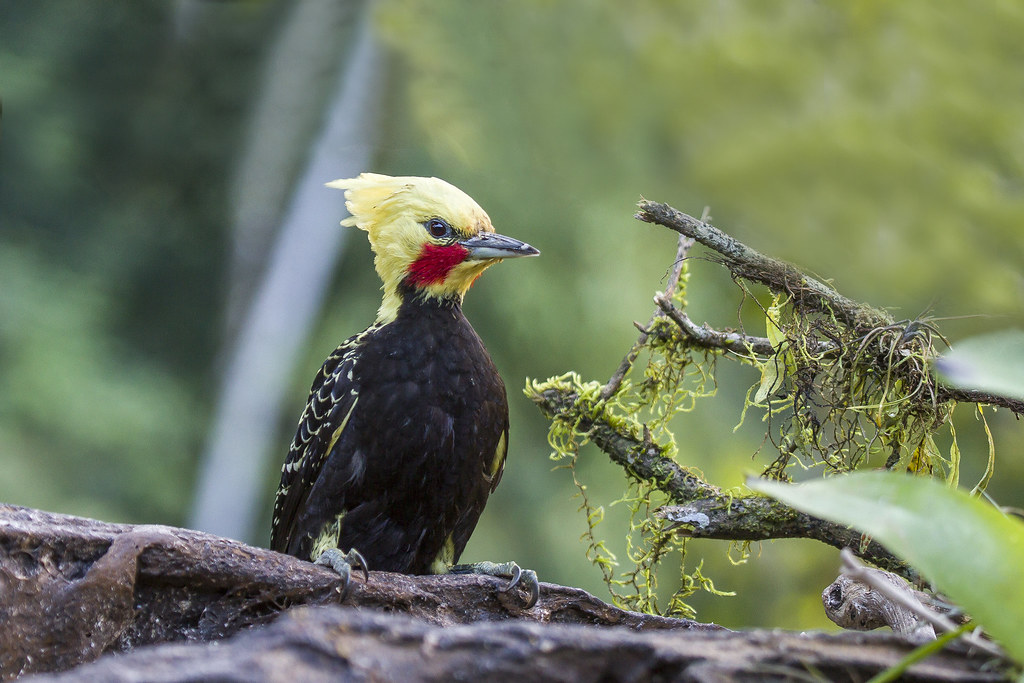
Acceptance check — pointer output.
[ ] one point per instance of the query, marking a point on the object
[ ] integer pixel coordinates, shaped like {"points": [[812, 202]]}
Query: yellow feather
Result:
{"points": [[445, 559], [498, 461], [327, 538]]}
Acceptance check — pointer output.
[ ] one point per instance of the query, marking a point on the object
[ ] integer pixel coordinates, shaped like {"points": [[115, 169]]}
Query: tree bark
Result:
{"points": [[73, 589], [332, 644]]}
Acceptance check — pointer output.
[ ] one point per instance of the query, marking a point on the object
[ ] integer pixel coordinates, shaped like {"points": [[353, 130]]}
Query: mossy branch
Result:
{"points": [[639, 455], [757, 518], [702, 510], [808, 294], [709, 338]]}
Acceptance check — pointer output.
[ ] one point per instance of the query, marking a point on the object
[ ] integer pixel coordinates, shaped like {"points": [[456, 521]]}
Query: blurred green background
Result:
{"points": [[150, 152]]}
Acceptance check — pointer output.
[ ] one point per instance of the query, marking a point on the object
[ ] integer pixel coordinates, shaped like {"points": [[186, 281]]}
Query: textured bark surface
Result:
{"points": [[333, 644], [73, 589], [855, 605]]}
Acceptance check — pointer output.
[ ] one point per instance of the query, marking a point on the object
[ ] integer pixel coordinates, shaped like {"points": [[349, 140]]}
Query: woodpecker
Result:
{"points": [[405, 431]]}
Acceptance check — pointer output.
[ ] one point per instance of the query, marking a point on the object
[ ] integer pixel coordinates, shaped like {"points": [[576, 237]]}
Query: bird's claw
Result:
{"points": [[510, 570], [529, 581], [517, 573], [343, 564]]}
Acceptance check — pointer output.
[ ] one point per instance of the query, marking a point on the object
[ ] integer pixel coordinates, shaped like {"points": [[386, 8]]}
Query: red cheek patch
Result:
{"points": [[434, 263]]}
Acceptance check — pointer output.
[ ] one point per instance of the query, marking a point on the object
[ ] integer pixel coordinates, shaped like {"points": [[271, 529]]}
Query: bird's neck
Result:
{"points": [[397, 296]]}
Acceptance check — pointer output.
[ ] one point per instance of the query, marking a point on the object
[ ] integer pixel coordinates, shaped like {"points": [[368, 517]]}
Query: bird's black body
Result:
{"points": [[423, 420]]}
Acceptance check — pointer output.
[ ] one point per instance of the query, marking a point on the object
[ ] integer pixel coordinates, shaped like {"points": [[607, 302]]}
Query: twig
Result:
{"points": [[947, 393], [620, 373], [808, 293], [741, 344], [704, 336]]}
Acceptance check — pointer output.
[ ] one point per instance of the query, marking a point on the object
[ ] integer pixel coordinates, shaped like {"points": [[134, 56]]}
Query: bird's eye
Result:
{"points": [[438, 227]]}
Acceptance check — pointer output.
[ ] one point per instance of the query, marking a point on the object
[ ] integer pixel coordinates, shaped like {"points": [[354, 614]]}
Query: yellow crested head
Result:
{"points": [[426, 234]]}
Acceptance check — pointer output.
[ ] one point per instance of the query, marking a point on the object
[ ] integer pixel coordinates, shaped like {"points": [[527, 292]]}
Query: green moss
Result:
{"points": [[672, 380], [843, 397]]}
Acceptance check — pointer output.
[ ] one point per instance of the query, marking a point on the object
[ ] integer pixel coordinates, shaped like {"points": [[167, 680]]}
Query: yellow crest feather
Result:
{"points": [[374, 199]]}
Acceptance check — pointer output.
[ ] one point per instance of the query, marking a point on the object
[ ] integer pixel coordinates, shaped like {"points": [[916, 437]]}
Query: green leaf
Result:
{"points": [[775, 369], [993, 363], [771, 322], [970, 550], [770, 379]]}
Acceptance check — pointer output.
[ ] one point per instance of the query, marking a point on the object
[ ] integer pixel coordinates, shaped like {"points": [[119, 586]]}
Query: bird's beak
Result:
{"points": [[490, 245]]}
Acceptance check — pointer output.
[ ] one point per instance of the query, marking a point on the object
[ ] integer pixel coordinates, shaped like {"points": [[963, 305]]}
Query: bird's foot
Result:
{"points": [[505, 570], [343, 564]]}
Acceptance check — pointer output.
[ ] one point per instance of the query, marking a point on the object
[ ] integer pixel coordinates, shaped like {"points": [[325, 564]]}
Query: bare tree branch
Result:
{"points": [[947, 393], [808, 293], [704, 336]]}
